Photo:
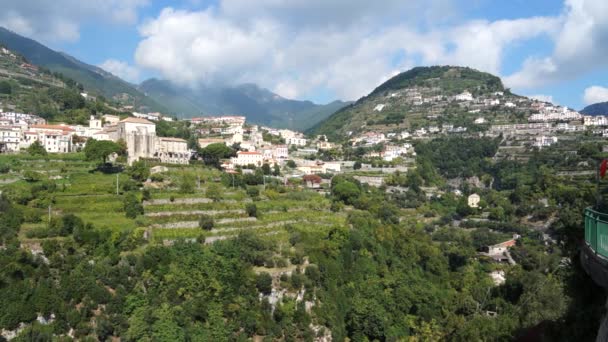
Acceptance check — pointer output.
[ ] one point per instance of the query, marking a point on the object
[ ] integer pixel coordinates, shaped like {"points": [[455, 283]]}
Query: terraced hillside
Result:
{"points": [[429, 96], [68, 185]]}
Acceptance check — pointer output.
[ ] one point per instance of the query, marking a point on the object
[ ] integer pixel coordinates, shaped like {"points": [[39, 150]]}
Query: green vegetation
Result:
{"points": [[36, 149], [194, 253], [100, 150]]}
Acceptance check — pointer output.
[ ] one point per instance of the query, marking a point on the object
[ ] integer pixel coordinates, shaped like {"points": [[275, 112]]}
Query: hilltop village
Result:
{"points": [[257, 145]]}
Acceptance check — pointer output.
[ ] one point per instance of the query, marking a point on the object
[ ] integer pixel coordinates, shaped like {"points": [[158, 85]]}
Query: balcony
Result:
{"points": [[594, 252]]}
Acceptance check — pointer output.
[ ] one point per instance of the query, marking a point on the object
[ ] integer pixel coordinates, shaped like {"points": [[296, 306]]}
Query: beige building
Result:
{"points": [[248, 158], [10, 138], [473, 201], [140, 137], [172, 151]]}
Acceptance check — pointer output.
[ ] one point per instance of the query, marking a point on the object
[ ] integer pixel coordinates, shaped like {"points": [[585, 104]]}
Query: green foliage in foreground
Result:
{"points": [[99, 150]]}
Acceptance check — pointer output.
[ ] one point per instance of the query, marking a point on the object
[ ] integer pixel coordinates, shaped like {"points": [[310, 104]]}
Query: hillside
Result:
{"points": [[427, 95], [27, 88], [600, 108], [94, 79], [259, 105]]}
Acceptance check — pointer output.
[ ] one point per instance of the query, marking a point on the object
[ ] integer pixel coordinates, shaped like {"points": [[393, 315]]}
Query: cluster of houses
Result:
{"points": [[19, 131], [549, 113]]}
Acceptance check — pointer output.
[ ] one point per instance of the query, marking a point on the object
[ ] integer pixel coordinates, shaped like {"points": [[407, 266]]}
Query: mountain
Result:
{"points": [[259, 105], [425, 96], [93, 79], [27, 88], [600, 108]]}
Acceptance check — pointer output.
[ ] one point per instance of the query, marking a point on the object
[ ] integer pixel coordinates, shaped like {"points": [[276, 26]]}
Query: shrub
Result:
{"points": [[206, 222], [214, 192], [32, 176], [252, 210], [253, 192], [132, 206], [139, 171], [146, 195], [36, 149], [263, 282]]}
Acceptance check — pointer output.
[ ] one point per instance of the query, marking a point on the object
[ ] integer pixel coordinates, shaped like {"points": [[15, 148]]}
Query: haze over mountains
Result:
{"points": [[257, 104]]}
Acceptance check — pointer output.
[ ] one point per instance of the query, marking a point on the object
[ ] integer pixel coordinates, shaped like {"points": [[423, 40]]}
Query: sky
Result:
{"points": [[323, 50]]}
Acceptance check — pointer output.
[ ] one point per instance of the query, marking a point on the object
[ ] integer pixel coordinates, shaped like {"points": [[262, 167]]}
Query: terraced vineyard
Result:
{"points": [[72, 186]]}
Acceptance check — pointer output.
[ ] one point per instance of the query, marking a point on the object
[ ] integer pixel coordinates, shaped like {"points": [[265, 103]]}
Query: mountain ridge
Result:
{"points": [[93, 78], [600, 108], [258, 104], [423, 96]]}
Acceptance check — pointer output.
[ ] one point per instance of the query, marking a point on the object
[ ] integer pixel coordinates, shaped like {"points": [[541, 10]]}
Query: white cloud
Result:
{"points": [[581, 44], [288, 46], [60, 20], [595, 94], [543, 98], [122, 69]]}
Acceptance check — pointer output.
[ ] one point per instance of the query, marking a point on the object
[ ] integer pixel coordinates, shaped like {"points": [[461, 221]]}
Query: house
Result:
{"points": [[312, 181], [325, 145], [248, 158], [10, 138], [379, 107], [501, 248], [297, 141], [480, 121], [54, 138], [473, 201], [172, 150], [464, 96]]}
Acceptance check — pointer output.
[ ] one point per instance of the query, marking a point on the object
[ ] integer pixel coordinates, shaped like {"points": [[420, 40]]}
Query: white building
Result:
{"points": [[10, 138], [248, 158], [140, 137], [297, 141], [473, 201], [464, 96], [172, 150], [544, 141]]}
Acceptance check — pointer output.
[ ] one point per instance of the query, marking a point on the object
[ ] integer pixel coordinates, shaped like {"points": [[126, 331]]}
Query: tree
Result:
{"points": [[346, 192], [146, 195], [263, 282], [139, 171], [277, 170], [32, 176], [266, 169], [251, 209], [214, 192], [357, 165], [253, 191], [186, 183], [214, 152], [132, 206], [291, 164], [5, 87], [206, 222], [100, 149], [36, 149]]}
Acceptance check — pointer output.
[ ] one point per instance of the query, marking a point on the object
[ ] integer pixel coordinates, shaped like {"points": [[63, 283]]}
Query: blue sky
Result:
{"points": [[325, 50]]}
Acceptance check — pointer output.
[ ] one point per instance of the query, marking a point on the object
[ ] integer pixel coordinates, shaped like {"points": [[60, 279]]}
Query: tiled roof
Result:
{"points": [[137, 120], [56, 127]]}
